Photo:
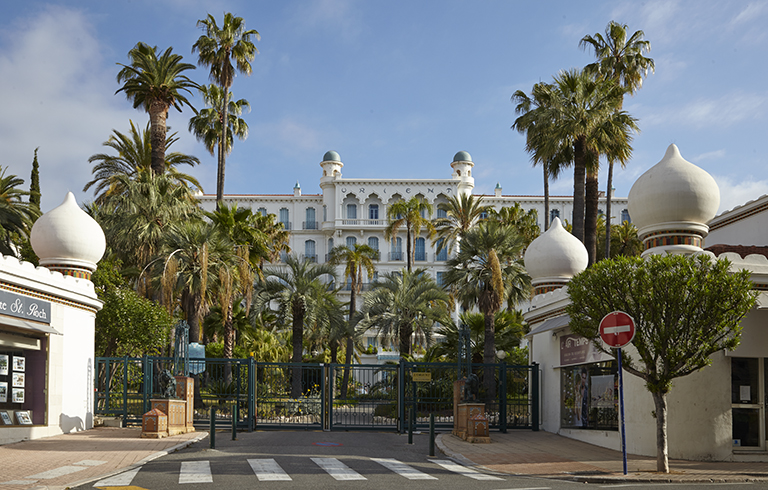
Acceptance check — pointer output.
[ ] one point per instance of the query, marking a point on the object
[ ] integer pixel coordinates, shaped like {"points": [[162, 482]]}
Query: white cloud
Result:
{"points": [[56, 93], [720, 112], [710, 155], [289, 135], [734, 194]]}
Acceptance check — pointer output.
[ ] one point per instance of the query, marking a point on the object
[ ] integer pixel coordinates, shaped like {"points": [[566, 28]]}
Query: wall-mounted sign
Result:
{"points": [[19, 306], [575, 349]]}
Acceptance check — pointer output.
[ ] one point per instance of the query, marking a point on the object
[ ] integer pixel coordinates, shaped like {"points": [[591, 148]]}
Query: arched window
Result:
{"points": [[351, 242], [373, 242], [373, 211], [625, 216], [554, 213], [262, 211], [396, 249], [443, 255], [420, 253], [351, 211], [442, 212], [311, 222], [285, 218], [309, 251]]}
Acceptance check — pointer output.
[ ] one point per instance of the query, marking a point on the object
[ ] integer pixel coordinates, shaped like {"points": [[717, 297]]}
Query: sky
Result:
{"points": [[397, 87]]}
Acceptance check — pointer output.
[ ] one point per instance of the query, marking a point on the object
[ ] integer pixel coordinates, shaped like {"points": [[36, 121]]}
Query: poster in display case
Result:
{"points": [[24, 417], [18, 395], [3, 391], [18, 380], [7, 420], [3, 365], [19, 363]]}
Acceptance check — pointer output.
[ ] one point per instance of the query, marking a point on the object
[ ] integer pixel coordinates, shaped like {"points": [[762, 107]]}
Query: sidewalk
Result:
{"points": [[547, 455], [68, 460]]}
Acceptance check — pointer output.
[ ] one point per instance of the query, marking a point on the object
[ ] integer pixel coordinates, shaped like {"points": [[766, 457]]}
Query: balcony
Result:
{"points": [[396, 256], [363, 222], [312, 258], [309, 225]]}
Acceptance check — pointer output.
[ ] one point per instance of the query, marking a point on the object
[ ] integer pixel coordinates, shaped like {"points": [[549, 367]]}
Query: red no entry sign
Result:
{"points": [[617, 329]]}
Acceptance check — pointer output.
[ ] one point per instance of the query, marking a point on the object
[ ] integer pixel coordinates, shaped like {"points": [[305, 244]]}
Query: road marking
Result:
{"points": [[55, 473], [403, 469], [89, 462], [19, 482], [121, 480], [195, 472], [463, 470], [268, 470], [337, 469]]}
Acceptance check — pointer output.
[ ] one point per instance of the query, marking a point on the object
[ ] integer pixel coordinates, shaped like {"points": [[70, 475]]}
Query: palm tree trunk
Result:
{"points": [[608, 196], [489, 355], [662, 450], [579, 173], [350, 343], [229, 343], [590, 217], [546, 197], [408, 247], [298, 350], [222, 156], [158, 112], [405, 339]]}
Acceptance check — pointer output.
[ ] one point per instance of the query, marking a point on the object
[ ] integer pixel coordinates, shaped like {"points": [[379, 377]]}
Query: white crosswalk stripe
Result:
{"points": [[195, 472], [121, 480], [337, 469], [403, 469], [463, 470], [268, 470]]}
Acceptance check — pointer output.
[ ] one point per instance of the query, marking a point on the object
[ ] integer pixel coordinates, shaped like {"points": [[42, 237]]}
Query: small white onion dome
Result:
{"points": [[67, 240], [672, 203], [554, 258]]}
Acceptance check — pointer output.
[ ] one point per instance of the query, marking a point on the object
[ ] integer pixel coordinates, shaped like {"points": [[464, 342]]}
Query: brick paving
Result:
{"points": [[548, 455], [80, 456]]}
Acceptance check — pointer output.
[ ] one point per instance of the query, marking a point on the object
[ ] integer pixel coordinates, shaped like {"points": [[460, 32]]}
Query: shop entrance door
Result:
{"points": [[748, 397]]}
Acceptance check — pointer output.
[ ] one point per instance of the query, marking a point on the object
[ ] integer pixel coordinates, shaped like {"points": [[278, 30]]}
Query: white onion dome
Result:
{"points": [[672, 203], [554, 258], [66, 239]]}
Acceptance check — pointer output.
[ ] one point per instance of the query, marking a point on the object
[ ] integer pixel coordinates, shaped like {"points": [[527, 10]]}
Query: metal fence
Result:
{"points": [[329, 397]]}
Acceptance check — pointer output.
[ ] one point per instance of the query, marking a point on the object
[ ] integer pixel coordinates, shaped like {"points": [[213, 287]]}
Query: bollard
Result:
{"points": [[431, 434], [234, 422], [410, 426], [212, 430]]}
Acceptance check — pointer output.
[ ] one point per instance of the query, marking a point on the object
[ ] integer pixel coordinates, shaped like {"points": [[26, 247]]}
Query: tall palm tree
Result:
{"points": [[487, 272], [413, 215], [218, 48], [355, 260], [462, 212], [16, 216], [134, 155], [156, 83], [207, 124], [294, 289], [403, 304], [619, 58], [525, 223]]}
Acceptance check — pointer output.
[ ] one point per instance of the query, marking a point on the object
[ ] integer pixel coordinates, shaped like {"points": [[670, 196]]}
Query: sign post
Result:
{"points": [[617, 329]]}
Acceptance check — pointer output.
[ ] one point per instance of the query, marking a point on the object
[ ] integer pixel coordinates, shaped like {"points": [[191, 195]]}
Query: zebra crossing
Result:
{"points": [[268, 469]]}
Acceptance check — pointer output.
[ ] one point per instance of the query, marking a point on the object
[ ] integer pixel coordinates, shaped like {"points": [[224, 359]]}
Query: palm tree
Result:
{"points": [[218, 48], [487, 272], [402, 304], [413, 215], [525, 223], [462, 212], [206, 125], [156, 83], [16, 216], [620, 59], [357, 259], [294, 289], [509, 330], [134, 155]]}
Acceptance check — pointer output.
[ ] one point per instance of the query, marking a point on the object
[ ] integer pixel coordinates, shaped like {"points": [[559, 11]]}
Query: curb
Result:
{"points": [[199, 437]]}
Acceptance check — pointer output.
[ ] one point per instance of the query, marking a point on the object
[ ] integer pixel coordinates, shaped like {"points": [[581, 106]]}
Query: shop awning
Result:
{"points": [[26, 325], [551, 324]]}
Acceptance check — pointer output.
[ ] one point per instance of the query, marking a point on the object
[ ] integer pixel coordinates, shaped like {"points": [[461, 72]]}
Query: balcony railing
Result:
{"points": [[312, 258], [364, 222], [287, 225], [396, 256], [309, 225], [420, 257]]}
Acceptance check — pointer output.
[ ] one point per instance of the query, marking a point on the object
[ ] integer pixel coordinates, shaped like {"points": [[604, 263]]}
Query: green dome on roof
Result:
{"points": [[331, 156], [462, 156]]}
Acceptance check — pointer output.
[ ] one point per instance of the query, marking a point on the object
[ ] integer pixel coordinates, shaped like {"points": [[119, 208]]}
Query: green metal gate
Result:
{"points": [[332, 396]]}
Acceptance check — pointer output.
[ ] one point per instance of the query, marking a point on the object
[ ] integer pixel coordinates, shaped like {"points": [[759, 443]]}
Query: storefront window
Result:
{"points": [[589, 396], [22, 383]]}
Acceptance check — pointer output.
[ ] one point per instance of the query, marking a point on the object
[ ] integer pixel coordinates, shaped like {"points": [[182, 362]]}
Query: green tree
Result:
{"points": [[402, 304], [156, 84], [621, 59], [34, 183], [487, 272], [462, 212], [16, 216], [525, 223], [134, 155], [294, 289], [355, 260], [207, 125], [413, 215], [218, 48], [685, 308], [509, 329], [127, 325]]}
